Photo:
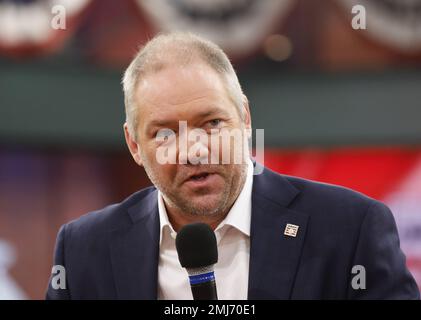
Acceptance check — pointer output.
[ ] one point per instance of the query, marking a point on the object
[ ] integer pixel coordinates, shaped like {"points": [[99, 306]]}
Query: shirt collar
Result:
{"points": [[238, 217], [163, 218]]}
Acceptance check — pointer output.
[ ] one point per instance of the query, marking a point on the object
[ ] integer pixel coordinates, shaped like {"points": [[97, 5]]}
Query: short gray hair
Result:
{"points": [[183, 48]]}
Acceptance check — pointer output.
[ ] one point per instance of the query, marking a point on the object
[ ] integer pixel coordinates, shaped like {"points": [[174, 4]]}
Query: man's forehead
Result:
{"points": [[176, 83], [180, 87]]}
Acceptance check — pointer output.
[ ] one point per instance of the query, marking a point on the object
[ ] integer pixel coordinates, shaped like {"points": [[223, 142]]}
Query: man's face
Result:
{"points": [[195, 94]]}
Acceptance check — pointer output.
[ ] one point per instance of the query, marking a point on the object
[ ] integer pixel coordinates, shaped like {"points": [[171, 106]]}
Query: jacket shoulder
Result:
{"points": [[326, 191], [324, 200], [108, 218]]}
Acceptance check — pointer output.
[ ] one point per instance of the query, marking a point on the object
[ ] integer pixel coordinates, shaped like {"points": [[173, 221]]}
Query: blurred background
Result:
{"points": [[338, 105]]}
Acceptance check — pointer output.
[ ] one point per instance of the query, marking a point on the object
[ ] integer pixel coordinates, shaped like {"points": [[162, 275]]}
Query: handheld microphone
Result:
{"points": [[198, 252]]}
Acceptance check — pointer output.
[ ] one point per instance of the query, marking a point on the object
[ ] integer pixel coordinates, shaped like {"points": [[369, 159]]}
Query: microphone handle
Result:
{"points": [[204, 291]]}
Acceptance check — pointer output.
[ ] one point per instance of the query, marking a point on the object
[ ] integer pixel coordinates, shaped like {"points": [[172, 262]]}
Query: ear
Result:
{"points": [[132, 145], [247, 118]]}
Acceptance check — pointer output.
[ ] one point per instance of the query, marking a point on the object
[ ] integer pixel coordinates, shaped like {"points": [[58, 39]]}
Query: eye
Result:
{"points": [[215, 123], [164, 135]]}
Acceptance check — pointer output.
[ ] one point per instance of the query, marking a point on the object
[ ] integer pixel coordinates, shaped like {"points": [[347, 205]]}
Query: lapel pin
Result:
{"points": [[291, 230]]}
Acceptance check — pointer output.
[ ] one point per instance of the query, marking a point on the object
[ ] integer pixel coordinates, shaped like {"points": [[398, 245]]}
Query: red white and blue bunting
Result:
{"points": [[238, 26], [25, 25], [395, 23]]}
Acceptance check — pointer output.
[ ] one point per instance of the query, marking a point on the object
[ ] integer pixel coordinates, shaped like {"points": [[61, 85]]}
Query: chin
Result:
{"points": [[209, 206]]}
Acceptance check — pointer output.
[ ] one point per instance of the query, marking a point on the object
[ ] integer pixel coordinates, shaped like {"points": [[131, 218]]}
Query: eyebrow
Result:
{"points": [[214, 111]]}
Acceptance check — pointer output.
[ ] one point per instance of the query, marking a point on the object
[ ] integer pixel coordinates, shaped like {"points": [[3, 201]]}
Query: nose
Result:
{"points": [[193, 147]]}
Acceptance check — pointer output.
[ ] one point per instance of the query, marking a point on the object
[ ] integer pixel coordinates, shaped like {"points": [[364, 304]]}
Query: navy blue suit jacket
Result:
{"points": [[113, 253]]}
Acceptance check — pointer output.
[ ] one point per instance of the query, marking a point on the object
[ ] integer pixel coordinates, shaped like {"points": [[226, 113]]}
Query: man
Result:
{"points": [[278, 237]]}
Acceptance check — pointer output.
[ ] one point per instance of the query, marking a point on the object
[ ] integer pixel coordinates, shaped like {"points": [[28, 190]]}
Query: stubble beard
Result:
{"points": [[223, 203]]}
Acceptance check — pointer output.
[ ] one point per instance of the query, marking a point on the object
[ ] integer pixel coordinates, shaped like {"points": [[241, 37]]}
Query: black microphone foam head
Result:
{"points": [[196, 246]]}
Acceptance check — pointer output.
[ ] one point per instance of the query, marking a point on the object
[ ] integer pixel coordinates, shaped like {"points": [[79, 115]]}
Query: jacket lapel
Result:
{"points": [[134, 251], [274, 257]]}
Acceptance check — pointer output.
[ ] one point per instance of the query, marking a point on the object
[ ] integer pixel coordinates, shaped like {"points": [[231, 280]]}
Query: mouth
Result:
{"points": [[202, 179], [199, 176]]}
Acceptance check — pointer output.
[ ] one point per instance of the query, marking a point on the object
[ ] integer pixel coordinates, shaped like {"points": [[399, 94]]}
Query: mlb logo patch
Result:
{"points": [[291, 230]]}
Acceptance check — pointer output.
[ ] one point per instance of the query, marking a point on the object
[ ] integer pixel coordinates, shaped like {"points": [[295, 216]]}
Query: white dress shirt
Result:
{"points": [[233, 239]]}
